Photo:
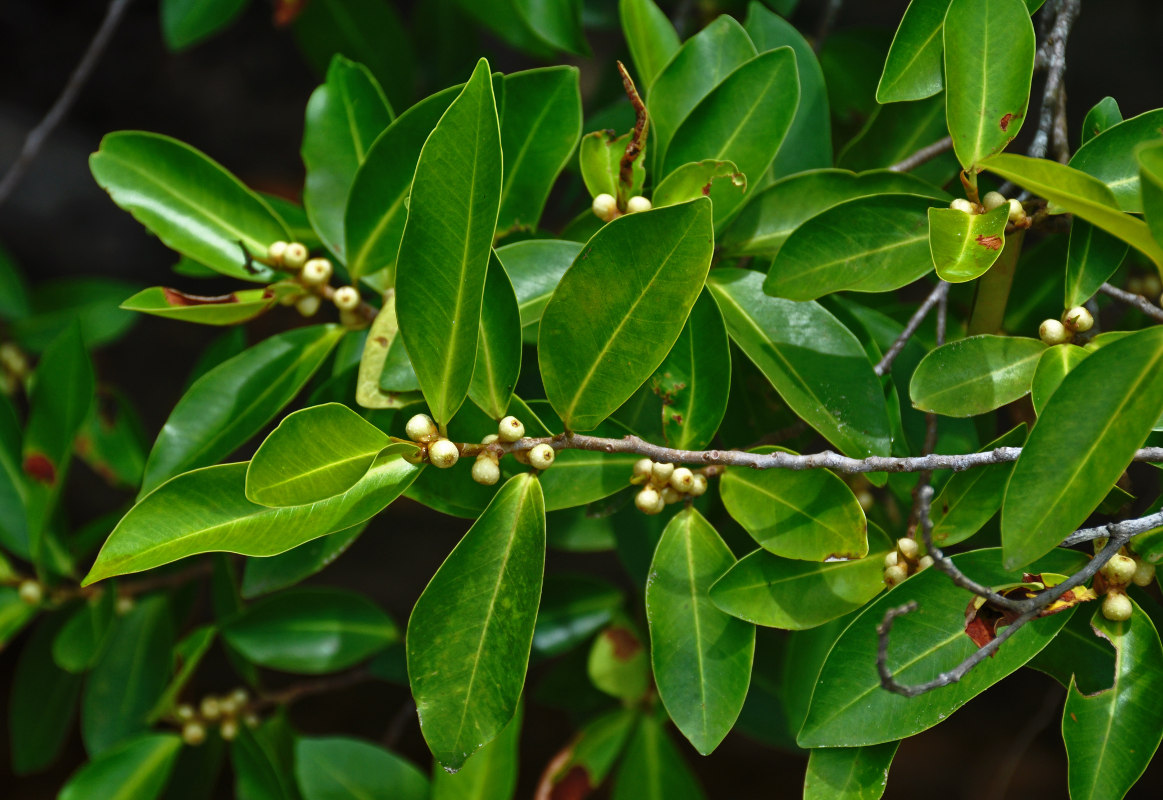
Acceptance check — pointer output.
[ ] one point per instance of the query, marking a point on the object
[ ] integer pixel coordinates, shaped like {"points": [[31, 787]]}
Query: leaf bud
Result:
{"points": [[648, 501], [276, 252], [1078, 319], [1144, 574], [316, 272], [1017, 213], [541, 456], [442, 454], [485, 470], [662, 473], [31, 592], [894, 575], [1117, 607], [637, 203], [308, 305], [682, 479], [699, 486], [421, 428], [1053, 332], [961, 204], [193, 733], [908, 548], [605, 207], [510, 429], [992, 200], [1120, 570], [346, 298], [295, 255]]}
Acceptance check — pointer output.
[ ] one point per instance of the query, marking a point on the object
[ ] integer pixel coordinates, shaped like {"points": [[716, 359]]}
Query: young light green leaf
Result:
{"points": [[816, 364], [650, 36], [849, 773], [970, 499], [207, 511], [470, 632], [137, 770], [341, 768], [188, 201], [653, 769], [315, 453], [231, 402], [619, 663], [535, 267], [226, 309], [1105, 114], [1110, 157], [989, 64], [648, 268], [913, 69], [1092, 258], [43, 701], [600, 157], [975, 375], [701, 656], [265, 575], [374, 364], [1111, 736], [695, 378], [344, 117], [445, 247], [498, 359], [540, 129], [870, 244], [1052, 368], [695, 179], [490, 773], [848, 706], [1079, 194], [964, 246], [187, 22], [1081, 444]]}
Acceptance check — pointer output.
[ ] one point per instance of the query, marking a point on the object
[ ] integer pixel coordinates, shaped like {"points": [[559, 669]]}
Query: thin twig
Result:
{"points": [[831, 11], [926, 153], [1052, 115], [37, 136], [331, 683], [1135, 300], [935, 296]]}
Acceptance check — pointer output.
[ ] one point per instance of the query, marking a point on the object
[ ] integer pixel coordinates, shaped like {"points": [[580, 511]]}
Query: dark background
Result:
{"points": [[239, 97]]}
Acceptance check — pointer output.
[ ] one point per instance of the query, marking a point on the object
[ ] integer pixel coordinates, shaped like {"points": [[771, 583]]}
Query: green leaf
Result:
{"points": [[701, 656], [693, 180], [14, 613], [894, 132], [618, 663], [83, 637], [1092, 258], [137, 770], [233, 401], [1052, 368], [226, 309], [1078, 653], [600, 157], [1110, 157], [491, 773], [913, 69], [314, 453], [540, 128], [188, 654], [743, 120], [265, 575], [42, 702], [533, 26], [310, 631], [377, 203], [344, 117], [262, 758], [498, 359], [1111, 736], [849, 773], [1079, 194], [964, 246], [701, 64], [207, 511], [1105, 114], [470, 632], [852, 61], [970, 498], [573, 608], [648, 268], [989, 63], [850, 709], [815, 364], [695, 378], [340, 768], [1151, 166], [975, 375], [444, 251], [188, 201], [591, 754], [535, 267], [187, 22], [809, 515], [871, 244], [652, 768], [1081, 444], [14, 300], [650, 36], [375, 364], [129, 677], [765, 589]]}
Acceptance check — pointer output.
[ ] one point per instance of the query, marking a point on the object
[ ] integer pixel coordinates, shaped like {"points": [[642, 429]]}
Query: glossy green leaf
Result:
{"points": [[1111, 736], [650, 36], [1105, 114], [1052, 368], [618, 662], [913, 69], [130, 676], [816, 364], [344, 117], [870, 244], [809, 514], [262, 761], [42, 701], [540, 128], [310, 630], [1081, 444], [1092, 258], [975, 375], [227, 309], [187, 22], [340, 768], [444, 251], [533, 26], [989, 64], [1110, 157], [1079, 194], [233, 401], [894, 132], [765, 589], [470, 632], [849, 773], [535, 267], [376, 364], [850, 709], [491, 772], [694, 180], [701, 64], [701, 656], [742, 120], [599, 158], [573, 608], [653, 769], [695, 378], [1151, 168], [188, 201], [970, 499], [83, 637], [314, 453], [265, 575], [207, 511], [649, 269], [137, 770], [964, 246], [188, 654], [377, 204], [498, 359]]}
